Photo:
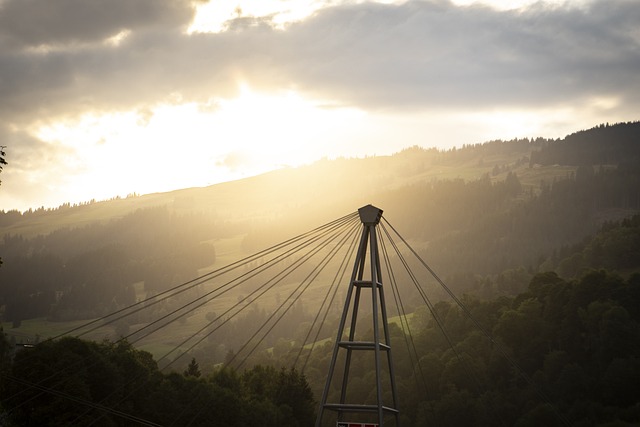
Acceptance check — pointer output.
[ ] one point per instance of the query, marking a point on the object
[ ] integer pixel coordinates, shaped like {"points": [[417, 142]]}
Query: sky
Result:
{"points": [[105, 98]]}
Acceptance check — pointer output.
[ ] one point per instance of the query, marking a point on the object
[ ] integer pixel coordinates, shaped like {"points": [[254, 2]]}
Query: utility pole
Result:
{"points": [[345, 347]]}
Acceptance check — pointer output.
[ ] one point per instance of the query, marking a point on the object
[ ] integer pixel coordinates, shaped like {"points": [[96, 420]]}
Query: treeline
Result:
{"points": [[468, 152], [89, 271], [603, 145], [409, 161], [520, 146], [14, 216], [75, 382]]}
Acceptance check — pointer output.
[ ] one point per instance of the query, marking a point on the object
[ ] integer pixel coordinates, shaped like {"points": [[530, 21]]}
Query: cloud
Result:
{"points": [[436, 55], [235, 160], [419, 55], [44, 22], [34, 154], [32, 164]]}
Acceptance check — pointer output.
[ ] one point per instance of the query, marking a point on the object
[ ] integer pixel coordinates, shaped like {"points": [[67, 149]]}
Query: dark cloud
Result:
{"points": [[34, 154], [433, 54], [419, 55], [33, 164], [54, 22]]}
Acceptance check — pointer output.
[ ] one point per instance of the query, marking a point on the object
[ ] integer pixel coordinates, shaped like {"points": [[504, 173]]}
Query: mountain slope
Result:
{"points": [[478, 210]]}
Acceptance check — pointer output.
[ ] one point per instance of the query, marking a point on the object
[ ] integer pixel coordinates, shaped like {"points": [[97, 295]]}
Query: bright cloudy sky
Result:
{"points": [[100, 98]]}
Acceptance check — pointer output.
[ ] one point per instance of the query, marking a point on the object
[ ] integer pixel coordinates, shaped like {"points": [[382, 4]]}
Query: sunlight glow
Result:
{"points": [[518, 4], [214, 16], [273, 129], [173, 146], [117, 39], [604, 103], [511, 124]]}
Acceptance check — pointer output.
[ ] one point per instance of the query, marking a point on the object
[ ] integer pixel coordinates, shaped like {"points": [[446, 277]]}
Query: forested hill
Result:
{"points": [[540, 239], [476, 213], [602, 145]]}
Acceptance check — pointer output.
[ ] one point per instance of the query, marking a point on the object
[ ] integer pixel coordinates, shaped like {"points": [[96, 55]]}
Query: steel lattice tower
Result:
{"points": [[380, 345]]}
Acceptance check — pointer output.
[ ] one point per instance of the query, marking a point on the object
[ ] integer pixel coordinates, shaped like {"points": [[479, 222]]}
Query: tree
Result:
{"points": [[278, 397], [2, 155], [2, 163], [294, 391], [193, 370]]}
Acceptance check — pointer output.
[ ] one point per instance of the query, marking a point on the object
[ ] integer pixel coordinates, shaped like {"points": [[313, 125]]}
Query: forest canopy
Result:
{"points": [[561, 353]]}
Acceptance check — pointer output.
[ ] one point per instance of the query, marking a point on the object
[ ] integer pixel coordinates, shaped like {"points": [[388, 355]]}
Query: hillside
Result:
{"points": [[476, 211], [541, 245]]}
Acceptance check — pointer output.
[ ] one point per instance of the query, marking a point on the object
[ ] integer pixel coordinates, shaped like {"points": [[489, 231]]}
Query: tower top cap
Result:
{"points": [[370, 215]]}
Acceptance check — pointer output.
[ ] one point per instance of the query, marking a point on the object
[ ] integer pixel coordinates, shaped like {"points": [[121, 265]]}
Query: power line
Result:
{"points": [[263, 289], [401, 312], [332, 226], [315, 272], [148, 302], [183, 287], [333, 290], [308, 280]]}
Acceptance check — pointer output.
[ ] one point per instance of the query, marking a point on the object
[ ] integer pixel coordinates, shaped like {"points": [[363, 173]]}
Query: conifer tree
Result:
{"points": [[193, 370]]}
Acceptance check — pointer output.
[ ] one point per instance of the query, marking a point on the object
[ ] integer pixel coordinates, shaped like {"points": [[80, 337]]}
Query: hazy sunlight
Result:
{"points": [[175, 146]]}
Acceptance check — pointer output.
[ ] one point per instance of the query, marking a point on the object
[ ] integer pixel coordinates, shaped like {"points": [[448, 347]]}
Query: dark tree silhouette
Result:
{"points": [[2, 163], [193, 370], [2, 157]]}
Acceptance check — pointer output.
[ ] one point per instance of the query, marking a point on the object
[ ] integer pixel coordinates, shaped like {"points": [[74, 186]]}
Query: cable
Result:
{"points": [[189, 285], [250, 274], [440, 324], [315, 272], [334, 224], [301, 261], [497, 345], [215, 273], [333, 290], [323, 263], [402, 314], [284, 273], [71, 368]]}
